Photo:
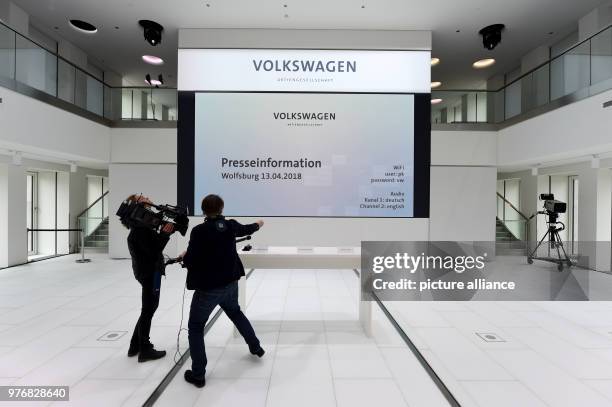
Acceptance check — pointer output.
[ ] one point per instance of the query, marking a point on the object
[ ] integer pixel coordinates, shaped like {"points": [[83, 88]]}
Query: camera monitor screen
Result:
{"points": [[306, 154]]}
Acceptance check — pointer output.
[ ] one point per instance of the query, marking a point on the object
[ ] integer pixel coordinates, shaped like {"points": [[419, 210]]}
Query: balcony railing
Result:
{"points": [[581, 71], [45, 73]]}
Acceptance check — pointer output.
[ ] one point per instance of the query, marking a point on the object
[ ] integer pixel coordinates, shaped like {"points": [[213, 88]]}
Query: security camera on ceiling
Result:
{"points": [[152, 31], [492, 35]]}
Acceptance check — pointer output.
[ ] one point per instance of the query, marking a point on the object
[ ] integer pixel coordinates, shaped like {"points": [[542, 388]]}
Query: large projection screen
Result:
{"points": [[288, 133]]}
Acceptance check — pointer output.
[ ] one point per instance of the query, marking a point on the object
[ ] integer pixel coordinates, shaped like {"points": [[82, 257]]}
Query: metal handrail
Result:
{"points": [[54, 230], [512, 206], [91, 206], [80, 230]]}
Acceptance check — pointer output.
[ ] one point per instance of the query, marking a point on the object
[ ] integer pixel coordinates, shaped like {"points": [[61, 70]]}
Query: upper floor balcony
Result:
{"points": [[30, 69], [581, 71]]}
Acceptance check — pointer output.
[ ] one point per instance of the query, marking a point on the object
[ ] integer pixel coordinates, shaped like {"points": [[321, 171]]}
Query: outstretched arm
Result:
{"points": [[245, 230]]}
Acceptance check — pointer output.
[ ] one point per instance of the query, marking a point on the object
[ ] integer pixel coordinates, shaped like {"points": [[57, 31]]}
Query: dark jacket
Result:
{"points": [[146, 248], [211, 259]]}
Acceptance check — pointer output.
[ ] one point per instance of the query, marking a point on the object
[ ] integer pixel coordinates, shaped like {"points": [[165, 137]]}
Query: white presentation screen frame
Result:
{"points": [[281, 70], [305, 71]]}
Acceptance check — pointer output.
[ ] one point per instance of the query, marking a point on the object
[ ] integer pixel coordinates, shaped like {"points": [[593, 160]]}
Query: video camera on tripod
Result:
{"points": [[552, 209], [143, 214]]}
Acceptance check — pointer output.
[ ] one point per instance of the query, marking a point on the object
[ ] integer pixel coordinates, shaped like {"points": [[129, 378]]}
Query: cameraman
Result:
{"points": [[214, 269], [146, 247]]}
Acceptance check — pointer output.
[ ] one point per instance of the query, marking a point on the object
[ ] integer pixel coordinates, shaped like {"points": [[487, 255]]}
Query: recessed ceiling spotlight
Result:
{"points": [[435, 61], [436, 84], [83, 26], [484, 63], [152, 59], [152, 31], [436, 101]]}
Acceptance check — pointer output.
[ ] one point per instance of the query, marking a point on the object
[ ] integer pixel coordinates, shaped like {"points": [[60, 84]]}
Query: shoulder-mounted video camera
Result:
{"points": [[139, 214]]}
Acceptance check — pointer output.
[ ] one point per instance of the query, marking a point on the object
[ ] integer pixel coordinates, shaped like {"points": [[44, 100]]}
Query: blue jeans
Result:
{"points": [[202, 305]]}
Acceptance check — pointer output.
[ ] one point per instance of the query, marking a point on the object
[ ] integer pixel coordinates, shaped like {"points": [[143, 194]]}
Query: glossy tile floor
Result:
{"points": [[56, 318], [57, 321], [518, 353]]}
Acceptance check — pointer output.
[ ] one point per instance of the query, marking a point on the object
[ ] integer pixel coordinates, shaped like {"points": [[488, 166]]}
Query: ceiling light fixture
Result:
{"points": [[83, 26], [436, 101], [491, 35], [436, 84], [435, 61], [152, 31], [154, 82], [152, 59], [484, 63]]}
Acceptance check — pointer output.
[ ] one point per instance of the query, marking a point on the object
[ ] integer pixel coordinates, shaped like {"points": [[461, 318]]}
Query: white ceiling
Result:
{"points": [[528, 25]]}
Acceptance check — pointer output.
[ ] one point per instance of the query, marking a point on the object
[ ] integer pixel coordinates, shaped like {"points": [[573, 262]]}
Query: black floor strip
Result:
{"points": [[448, 395], [177, 367]]}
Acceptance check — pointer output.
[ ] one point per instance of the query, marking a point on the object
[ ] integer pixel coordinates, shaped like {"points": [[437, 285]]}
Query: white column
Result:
{"points": [[594, 217], [13, 234]]}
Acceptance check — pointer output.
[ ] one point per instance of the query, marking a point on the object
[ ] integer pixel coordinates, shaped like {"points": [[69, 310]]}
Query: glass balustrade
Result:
{"points": [[94, 222], [24, 62], [579, 72], [513, 220]]}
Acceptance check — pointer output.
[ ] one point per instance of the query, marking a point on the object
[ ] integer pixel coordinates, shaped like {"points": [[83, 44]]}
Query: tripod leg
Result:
{"points": [[531, 255], [567, 258]]}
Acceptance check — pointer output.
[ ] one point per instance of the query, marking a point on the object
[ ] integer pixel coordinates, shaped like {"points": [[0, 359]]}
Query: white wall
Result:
{"points": [[13, 240], [577, 129], [464, 148], [36, 127], [463, 203], [143, 145]]}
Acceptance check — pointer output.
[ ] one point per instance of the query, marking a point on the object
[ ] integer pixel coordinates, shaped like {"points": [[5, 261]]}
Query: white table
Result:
{"points": [[283, 257]]}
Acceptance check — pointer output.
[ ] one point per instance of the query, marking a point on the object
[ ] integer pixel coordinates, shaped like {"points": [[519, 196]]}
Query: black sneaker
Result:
{"points": [[258, 352], [133, 351], [196, 382], [150, 354]]}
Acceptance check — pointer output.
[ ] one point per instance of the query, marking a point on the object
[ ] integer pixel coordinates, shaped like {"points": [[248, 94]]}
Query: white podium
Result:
{"points": [[283, 257]]}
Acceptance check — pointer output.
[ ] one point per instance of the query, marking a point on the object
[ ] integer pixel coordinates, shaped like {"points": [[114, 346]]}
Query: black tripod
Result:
{"points": [[554, 241]]}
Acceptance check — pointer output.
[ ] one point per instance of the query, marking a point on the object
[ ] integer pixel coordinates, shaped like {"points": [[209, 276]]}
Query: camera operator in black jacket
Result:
{"points": [[214, 269], [146, 249]]}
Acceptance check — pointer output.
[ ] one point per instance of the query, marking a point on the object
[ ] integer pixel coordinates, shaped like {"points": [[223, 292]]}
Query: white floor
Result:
{"points": [[545, 353], [54, 314]]}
